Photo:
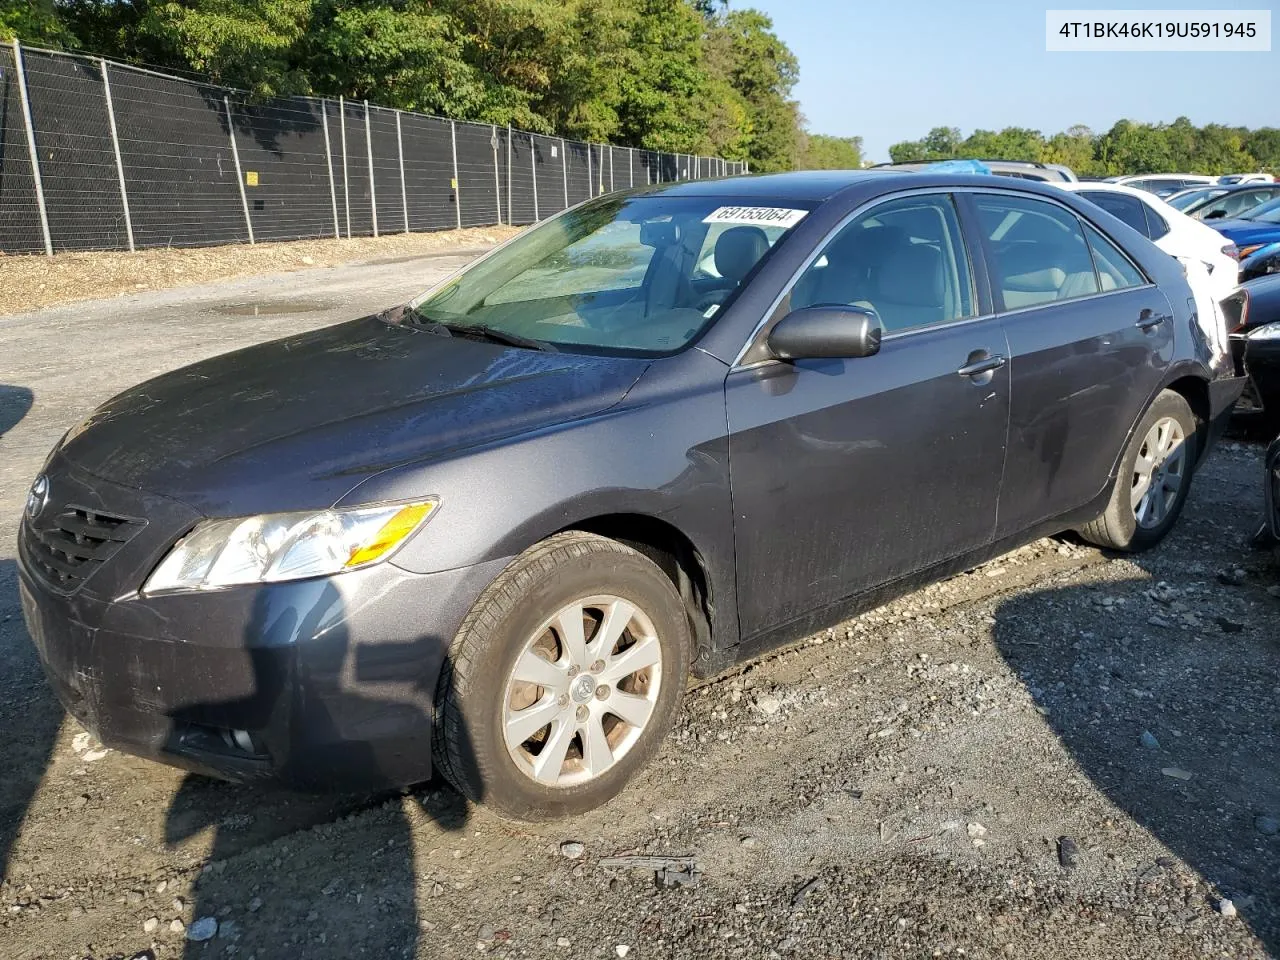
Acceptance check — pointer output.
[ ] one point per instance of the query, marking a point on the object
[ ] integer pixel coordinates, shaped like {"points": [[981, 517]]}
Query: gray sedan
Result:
{"points": [[493, 532]]}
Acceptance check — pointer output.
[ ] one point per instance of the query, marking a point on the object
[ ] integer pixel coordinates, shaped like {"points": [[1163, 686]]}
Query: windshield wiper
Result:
{"points": [[476, 332], [482, 332]]}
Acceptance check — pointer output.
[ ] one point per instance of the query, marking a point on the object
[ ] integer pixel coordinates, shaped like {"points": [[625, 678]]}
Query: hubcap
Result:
{"points": [[1158, 473], [582, 690]]}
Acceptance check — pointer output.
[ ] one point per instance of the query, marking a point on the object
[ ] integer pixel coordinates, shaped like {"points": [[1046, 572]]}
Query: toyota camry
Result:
{"points": [[493, 532]]}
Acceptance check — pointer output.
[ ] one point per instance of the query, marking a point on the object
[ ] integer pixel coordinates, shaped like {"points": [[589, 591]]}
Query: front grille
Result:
{"points": [[66, 549]]}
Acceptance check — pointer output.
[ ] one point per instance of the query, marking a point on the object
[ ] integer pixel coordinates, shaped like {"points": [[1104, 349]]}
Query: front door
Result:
{"points": [[850, 473]]}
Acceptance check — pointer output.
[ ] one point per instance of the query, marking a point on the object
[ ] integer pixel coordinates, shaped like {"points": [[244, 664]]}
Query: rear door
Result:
{"points": [[850, 473], [1089, 340]]}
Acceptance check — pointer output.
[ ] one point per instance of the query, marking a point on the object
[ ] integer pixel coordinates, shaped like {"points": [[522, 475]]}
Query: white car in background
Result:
{"points": [[1163, 184], [1208, 257]]}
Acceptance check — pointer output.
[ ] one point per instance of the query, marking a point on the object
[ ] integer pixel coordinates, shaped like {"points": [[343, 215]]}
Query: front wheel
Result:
{"points": [[563, 679], [1153, 481]]}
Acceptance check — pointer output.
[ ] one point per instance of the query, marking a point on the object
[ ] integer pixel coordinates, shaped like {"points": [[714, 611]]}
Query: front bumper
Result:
{"points": [[323, 684]]}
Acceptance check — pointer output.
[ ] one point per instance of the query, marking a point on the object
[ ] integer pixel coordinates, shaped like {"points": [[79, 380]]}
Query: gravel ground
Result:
{"points": [[1060, 754], [35, 282]]}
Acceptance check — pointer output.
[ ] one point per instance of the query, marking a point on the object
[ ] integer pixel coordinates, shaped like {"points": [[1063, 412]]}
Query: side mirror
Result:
{"points": [[835, 332]]}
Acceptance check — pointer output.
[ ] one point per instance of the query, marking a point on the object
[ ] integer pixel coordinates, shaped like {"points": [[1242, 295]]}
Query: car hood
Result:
{"points": [[296, 423], [1241, 232]]}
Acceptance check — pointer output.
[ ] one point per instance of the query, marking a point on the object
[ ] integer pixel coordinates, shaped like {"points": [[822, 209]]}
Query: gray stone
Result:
{"points": [[206, 928], [572, 849], [1148, 740], [1267, 826]]}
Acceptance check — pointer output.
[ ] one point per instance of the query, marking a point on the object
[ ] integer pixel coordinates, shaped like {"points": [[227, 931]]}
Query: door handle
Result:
{"points": [[1147, 320], [977, 368]]}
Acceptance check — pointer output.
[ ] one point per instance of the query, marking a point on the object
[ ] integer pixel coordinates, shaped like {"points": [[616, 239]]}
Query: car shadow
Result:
{"points": [[1163, 689], [280, 877], [30, 717], [15, 403]]}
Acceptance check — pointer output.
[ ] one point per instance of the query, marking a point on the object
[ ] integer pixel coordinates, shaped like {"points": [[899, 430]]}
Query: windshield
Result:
{"points": [[1184, 200], [641, 274], [1267, 213]]}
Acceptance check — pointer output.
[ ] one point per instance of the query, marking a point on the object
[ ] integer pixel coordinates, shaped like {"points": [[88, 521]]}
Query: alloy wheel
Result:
{"points": [[582, 691], [1159, 472]]}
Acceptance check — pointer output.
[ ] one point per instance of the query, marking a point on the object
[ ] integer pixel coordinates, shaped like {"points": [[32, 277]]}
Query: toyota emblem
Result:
{"points": [[37, 497]]}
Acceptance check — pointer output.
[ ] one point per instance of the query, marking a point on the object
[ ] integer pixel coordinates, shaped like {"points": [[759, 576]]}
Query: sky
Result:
{"points": [[890, 70]]}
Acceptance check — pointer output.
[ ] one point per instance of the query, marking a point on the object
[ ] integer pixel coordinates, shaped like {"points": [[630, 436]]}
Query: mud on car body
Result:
{"points": [[492, 533]]}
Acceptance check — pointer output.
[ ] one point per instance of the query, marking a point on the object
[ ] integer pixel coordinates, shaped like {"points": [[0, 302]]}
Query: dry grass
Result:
{"points": [[32, 282]]}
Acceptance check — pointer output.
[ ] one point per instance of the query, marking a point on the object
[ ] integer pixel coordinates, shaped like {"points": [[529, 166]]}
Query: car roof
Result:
{"points": [[1256, 185], [818, 186], [802, 185]]}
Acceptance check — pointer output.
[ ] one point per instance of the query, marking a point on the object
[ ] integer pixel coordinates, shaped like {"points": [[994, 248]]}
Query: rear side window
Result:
{"points": [[1128, 209], [1157, 226], [1115, 272], [904, 258], [1038, 251]]}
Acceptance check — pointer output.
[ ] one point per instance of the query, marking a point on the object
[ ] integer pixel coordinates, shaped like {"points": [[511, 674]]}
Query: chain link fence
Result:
{"points": [[98, 155]]}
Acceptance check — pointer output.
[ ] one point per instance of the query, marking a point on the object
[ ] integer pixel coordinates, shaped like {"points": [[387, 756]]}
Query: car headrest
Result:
{"points": [[912, 275], [739, 249]]}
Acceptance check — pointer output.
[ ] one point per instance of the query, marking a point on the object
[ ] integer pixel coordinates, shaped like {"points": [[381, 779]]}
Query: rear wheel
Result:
{"points": [[1154, 479], [563, 679]]}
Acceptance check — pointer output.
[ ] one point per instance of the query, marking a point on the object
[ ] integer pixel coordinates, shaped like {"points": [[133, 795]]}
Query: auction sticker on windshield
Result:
{"points": [[763, 216]]}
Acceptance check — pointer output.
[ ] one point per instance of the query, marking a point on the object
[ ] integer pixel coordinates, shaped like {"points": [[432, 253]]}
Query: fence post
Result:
{"points": [[31, 146], [373, 191], [346, 180], [235, 158], [115, 145], [328, 159], [631, 164], [457, 184], [510, 216], [404, 191], [659, 166], [533, 169], [591, 184], [564, 171], [611, 187], [497, 172]]}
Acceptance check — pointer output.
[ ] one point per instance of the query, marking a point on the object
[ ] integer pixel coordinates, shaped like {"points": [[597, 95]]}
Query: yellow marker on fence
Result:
{"points": [[453, 184], [251, 178]]}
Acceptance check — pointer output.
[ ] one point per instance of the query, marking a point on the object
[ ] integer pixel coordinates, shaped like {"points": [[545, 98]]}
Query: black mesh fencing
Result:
{"points": [[129, 158], [19, 212]]}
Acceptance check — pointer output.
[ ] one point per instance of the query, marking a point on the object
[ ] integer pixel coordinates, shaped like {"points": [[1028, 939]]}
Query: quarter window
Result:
{"points": [[1037, 249], [1115, 272], [905, 259]]}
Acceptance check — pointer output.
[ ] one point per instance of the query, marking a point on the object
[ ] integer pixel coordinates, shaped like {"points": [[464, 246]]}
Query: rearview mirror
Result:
{"points": [[658, 233], [1215, 214], [830, 332]]}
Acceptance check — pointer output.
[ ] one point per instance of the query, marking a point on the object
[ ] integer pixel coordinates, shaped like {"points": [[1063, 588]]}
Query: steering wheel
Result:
{"points": [[711, 299]]}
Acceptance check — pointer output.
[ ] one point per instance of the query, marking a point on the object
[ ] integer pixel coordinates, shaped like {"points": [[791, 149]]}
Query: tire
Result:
{"points": [[479, 691], [1118, 526]]}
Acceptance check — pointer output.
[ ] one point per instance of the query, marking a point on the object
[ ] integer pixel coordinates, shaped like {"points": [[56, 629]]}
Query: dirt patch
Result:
{"points": [[33, 282]]}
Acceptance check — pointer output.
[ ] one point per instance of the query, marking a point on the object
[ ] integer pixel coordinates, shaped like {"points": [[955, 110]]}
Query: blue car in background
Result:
{"points": [[1250, 234]]}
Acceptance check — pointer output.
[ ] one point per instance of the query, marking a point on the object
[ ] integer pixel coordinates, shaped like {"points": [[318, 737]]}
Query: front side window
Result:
{"points": [[643, 275], [905, 259], [1038, 251]]}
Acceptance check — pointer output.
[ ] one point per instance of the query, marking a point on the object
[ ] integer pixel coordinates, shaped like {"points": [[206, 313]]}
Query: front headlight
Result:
{"points": [[286, 546]]}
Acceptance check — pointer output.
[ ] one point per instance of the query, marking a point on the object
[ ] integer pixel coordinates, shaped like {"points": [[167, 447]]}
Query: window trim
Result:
{"points": [[963, 199]]}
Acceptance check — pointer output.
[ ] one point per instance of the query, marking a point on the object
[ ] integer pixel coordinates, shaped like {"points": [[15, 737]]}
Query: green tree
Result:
{"points": [[763, 71], [35, 21], [820, 152]]}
